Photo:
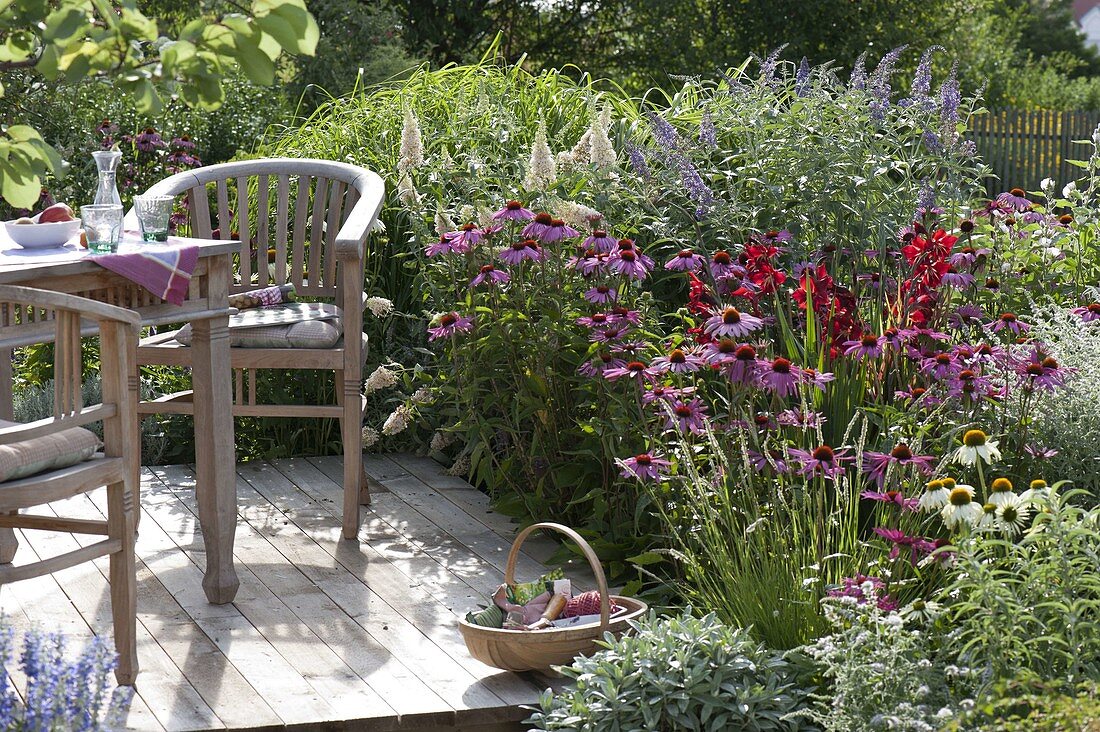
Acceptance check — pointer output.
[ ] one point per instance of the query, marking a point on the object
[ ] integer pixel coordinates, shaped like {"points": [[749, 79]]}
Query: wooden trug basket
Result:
{"points": [[538, 650]]}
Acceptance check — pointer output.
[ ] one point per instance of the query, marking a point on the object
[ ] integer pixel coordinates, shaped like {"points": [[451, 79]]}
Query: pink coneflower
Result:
{"points": [[557, 231], [941, 365], [590, 262], [490, 274], [868, 345], [601, 294], [775, 460], [538, 226], [1038, 452], [602, 363], [513, 211], [644, 466], [688, 416], [741, 369], [447, 245], [148, 140], [468, 234], [1014, 199], [521, 250], [1010, 321], [1042, 372], [685, 261], [779, 375], [630, 348], [970, 384], [1088, 313], [798, 418], [823, 460], [967, 257], [775, 238], [662, 393], [679, 361], [619, 314], [450, 324], [875, 464], [631, 263], [864, 590], [609, 333], [596, 320], [965, 316], [918, 546], [721, 351], [722, 265], [897, 498], [817, 379], [731, 323], [599, 242], [632, 369], [956, 279]]}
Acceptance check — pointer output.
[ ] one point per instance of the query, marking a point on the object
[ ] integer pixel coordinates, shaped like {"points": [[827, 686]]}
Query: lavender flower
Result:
{"points": [[697, 189], [663, 132], [921, 93], [769, 64], [708, 134], [858, 80], [879, 83], [950, 98], [802, 78], [637, 160]]}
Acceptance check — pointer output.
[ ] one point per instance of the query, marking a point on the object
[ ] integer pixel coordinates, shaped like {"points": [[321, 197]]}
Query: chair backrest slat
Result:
{"points": [[199, 204], [316, 236], [225, 222], [243, 233], [282, 213], [263, 225], [301, 213], [332, 228]]}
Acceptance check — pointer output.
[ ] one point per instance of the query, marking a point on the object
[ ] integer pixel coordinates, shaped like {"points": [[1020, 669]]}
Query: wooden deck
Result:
{"points": [[324, 634]]}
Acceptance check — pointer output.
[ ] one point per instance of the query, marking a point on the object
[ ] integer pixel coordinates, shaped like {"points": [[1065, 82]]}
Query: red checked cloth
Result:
{"points": [[163, 269], [586, 603]]}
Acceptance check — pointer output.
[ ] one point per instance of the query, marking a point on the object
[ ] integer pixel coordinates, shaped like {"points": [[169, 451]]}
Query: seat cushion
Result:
{"points": [[52, 452], [290, 325]]}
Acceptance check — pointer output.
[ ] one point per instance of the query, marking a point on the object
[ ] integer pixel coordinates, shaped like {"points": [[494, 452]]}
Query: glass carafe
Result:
{"points": [[107, 189]]}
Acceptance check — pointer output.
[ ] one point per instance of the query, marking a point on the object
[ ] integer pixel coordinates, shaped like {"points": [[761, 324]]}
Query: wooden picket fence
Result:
{"points": [[1023, 147]]}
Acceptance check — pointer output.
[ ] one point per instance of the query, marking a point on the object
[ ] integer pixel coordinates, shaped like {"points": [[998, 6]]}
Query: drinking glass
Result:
{"points": [[102, 226], [153, 213]]}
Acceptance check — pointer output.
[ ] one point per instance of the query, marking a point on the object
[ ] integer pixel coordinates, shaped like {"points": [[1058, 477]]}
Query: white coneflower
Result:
{"points": [[961, 509], [934, 497], [423, 395], [601, 152], [578, 215], [541, 170], [460, 468], [398, 421], [1036, 492], [379, 307], [922, 610], [1012, 517], [406, 191], [976, 444], [441, 440], [988, 519], [1000, 492], [370, 436], [412, 148], [381, 378], [443, 223]]}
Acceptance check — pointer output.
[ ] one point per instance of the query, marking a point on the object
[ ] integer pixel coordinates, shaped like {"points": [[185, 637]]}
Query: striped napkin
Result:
{"points": [[163, 269]]}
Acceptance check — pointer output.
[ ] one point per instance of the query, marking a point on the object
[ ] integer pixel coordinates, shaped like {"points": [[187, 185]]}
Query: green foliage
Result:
{"points": [[883, 671], [1031, 606], [1036, 706], [681, 673], [72, 40]]}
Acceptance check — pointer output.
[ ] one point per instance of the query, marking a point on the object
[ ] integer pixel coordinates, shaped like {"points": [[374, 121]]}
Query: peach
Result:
{"points": [[55, 213]]}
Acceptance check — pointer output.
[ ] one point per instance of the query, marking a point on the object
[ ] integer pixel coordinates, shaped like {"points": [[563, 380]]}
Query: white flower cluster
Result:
{"points": [[406, 191], [370, 436], [381, 378], [443, 222], [594, 147], [421, 396], [379, 307], [461, 467], [541, 170], [412, 148], [578, 215], [441, 440], [398, 421]]}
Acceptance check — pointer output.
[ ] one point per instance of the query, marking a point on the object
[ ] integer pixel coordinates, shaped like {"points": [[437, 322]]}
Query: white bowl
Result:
{"points": [[40, 236]]}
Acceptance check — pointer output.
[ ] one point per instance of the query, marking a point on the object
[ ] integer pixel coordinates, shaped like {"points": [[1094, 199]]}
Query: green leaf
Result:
{"points": [[646, 558], [305, 27], [23, 133], [19, 185], [64, 24], [255, 64]]}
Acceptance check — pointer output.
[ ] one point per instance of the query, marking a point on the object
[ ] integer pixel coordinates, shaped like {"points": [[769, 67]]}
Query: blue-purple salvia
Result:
{"points": [[858, 80], [802, 78], [637, 160], [879, 84], [950, 98], [921, 93], [7, 691], [708, 133], [663, 132]]}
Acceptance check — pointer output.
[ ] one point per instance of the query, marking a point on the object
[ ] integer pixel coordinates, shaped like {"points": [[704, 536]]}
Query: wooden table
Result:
{"points": [[207, 309]]}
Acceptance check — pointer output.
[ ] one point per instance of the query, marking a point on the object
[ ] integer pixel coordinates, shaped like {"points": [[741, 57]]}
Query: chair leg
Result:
{"points": [[351, 429], [123, 581], [8, 545], [7, 406]]}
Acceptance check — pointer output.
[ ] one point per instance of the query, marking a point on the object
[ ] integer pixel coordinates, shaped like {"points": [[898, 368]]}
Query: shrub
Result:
{"points": [[1035, 706], [681, 673], [883, 671]]}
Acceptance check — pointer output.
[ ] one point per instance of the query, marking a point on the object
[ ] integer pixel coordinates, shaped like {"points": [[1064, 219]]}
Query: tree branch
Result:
{"points": [[24, 64]]}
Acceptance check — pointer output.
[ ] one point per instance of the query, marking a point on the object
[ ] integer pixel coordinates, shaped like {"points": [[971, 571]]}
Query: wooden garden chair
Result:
{"points": [[302, 223], [55, 458]]}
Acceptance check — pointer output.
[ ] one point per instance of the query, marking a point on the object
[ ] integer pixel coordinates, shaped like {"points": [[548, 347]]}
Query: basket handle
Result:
{"points": [[593, 561]]}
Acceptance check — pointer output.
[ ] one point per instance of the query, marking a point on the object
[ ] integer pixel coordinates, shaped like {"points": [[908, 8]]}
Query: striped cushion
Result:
{"points": [[311, 325], [52, 452]]}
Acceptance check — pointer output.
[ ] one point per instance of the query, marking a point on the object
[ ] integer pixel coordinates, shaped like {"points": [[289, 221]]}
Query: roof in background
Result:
{"points": [[1081, 7]]}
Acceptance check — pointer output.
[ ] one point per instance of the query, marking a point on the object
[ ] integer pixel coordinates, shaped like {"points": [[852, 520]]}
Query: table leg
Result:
{"points": [[215, 457]]}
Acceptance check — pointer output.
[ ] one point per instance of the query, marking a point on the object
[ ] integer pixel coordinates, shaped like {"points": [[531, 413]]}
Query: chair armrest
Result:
{"points": [[91, 309], [357, 227]]}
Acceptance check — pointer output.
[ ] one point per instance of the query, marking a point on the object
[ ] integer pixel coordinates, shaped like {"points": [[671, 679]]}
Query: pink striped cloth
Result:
{"points": [[163, 269]]}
